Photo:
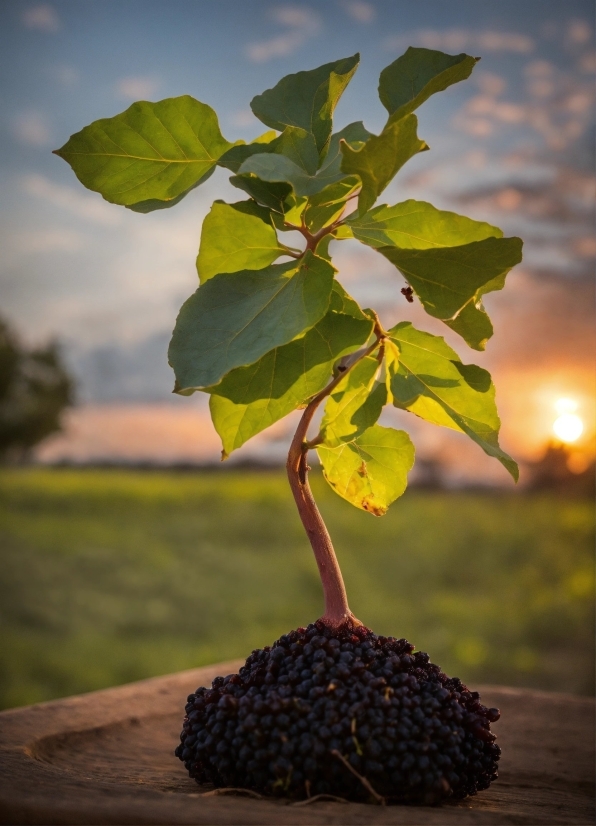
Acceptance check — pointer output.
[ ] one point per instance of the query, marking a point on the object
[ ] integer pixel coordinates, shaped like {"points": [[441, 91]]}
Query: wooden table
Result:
{"points": [[107, 757]]}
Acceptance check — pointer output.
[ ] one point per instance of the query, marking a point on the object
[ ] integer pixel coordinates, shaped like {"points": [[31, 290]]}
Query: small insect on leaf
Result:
{"points": [[408, 293]]}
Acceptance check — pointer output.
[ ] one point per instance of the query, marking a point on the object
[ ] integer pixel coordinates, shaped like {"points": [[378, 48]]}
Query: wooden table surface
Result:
{"points": [[107, 757]]}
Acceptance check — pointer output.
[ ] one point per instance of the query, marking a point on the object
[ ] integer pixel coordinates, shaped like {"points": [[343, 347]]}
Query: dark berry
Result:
{"points": [[417, 735]]}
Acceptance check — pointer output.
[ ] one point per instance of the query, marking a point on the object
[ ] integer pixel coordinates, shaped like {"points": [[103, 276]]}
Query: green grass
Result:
{"points": [[112, 576]]}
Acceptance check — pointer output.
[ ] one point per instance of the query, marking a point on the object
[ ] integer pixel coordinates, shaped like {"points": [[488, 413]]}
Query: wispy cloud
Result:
{"points": [[32, 128], [556, 105], [359, 10], [300, 24], [89, 207], [137, 88], [42, 17], [457, 40]]}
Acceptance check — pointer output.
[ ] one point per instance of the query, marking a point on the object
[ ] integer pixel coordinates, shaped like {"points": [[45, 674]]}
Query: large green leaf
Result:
{"points": [[355, 404], [417, 225], [381, 157], [370, 471], [250, 399], [235, 318], [150, 152], [431, 381], [284, 161], [411, 79], [306, 99], [446, 279], [236, 237]]}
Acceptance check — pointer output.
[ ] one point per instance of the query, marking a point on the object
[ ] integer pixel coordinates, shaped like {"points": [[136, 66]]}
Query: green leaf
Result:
{"points": [[327, 205], [150, 152], [236, 237], [306, 99], [275, 194], [355, 135], [279, 168], [420, 226], [417, 225], [446, 279], [294, 143], [272, 195], [296, 167], [152, 204], [235, 318], [411, 79], [355, 404], [370, 471], [250, 399], [381, 158], [472, 324], [341, 302], [432, 382]]}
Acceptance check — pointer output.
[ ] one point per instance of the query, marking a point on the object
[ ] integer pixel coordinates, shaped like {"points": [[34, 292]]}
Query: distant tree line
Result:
{"points": [[35, 388]]}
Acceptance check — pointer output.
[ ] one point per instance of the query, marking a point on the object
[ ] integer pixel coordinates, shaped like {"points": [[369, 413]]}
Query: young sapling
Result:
{"points": [[331, 708]]}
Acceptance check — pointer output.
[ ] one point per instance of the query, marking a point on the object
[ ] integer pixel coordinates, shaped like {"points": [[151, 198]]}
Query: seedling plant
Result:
{"points": [[331, 709]]}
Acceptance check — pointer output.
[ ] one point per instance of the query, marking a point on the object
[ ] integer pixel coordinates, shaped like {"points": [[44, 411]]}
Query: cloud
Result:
{"points": [[457, 40], [301, 23], [579, 32], [359, 10], [557, 105], [42, 17], [491, 84], [137, 88], [89, 207], [32, 128], [296, 17], [587, 63], [49, 240]]}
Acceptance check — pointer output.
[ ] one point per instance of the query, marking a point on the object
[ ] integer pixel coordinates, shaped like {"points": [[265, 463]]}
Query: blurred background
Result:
{"points": [[127, 550]]}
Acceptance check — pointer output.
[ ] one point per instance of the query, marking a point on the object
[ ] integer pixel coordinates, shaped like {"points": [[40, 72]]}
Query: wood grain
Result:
{"points": [[107, 757]]}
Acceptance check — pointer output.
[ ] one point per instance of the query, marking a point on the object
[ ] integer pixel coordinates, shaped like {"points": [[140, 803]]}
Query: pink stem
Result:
{"points": [[337, 610]]}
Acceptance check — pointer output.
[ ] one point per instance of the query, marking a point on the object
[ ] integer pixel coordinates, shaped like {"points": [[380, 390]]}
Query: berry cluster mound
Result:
{"points": [[340, 712]]}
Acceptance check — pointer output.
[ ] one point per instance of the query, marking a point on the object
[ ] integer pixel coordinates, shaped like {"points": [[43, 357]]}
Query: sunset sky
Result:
{"points": [[513, 145]]}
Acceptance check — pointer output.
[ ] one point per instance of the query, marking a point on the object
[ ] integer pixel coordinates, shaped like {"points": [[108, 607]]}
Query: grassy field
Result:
{"points": [[111, 576]]}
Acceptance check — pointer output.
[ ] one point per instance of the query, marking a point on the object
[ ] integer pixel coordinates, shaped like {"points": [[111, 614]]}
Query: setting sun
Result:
{"points": [[568, 427]]}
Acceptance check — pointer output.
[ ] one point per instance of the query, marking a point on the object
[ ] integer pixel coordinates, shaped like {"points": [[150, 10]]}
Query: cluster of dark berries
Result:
{"points": [[281, 725]]}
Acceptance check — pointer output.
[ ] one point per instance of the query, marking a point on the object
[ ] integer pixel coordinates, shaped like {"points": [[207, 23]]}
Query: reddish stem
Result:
{"points": [[337, 610]]}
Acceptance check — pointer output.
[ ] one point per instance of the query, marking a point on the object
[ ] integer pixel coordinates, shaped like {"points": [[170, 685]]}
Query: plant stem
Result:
{"points": [[337, 610]]}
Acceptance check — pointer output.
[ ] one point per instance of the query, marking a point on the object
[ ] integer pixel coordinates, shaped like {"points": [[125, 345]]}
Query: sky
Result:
{"points": [[513, 145]]}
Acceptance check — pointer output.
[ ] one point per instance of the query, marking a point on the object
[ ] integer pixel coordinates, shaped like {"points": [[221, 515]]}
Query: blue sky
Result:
{"points": [[511, 145]]}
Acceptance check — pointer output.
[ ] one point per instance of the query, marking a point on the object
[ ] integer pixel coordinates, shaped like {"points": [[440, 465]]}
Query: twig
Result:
{"points": [[379, 798], [320, 797], [232, 790]]}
